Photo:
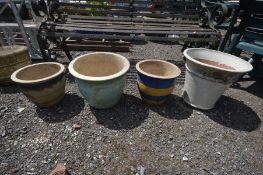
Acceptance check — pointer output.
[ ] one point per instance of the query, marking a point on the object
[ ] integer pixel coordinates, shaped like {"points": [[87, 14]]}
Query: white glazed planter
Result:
{"points": [[205, 83]]}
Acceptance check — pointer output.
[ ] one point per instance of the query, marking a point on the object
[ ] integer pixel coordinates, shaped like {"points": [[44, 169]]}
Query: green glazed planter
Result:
{"points": [[100, 77]]}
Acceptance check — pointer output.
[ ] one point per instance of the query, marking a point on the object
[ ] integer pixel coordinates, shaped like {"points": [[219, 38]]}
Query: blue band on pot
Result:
{"points": [[41, 84], [154, 91], [155, 82], [149, 97]]}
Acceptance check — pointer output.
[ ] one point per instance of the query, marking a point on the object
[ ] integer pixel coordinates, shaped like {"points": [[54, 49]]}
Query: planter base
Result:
{"points": [[47, 97], [102, 95], [154, 103]]}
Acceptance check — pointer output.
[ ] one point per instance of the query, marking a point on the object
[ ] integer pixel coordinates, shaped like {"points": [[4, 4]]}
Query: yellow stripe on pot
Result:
{"points": [[153, 91], [152, 102]]}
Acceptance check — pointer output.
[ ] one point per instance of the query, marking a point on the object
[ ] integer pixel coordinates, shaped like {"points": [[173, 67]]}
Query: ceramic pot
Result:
{"points": [[156, 80], [208, 74], [11, 59], [100, 77], [42, 83]]}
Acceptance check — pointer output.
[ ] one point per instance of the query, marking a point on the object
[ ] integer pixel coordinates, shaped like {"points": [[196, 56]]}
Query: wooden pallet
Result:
{"points": [[90, 45]]}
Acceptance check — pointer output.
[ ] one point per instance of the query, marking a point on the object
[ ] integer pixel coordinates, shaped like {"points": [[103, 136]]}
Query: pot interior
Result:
{"points": [[219, 60], [159, 68], [99, 65], [39, 71]]}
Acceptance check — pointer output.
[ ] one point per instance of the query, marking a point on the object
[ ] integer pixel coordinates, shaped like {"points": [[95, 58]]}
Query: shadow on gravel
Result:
{"points": [[234, 114], [71, 106], [9, 89], [70, 78], [129, 113], [139, 42], [174, 108], [255, 88]]}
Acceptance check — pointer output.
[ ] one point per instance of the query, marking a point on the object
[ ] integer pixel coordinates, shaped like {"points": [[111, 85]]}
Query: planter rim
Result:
{"points": [[250, 67], [16, 49], [17, 80], [93, 78], [157, 76]]}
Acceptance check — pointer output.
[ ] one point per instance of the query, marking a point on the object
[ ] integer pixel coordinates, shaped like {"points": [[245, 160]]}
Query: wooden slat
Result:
{"points": [[95, 22], [103, 7], [163, 9], [127, 13], [110, 1], [128, 7], [128, 19], [96, 12], [146, 2], [83, 45], [77, 47], [133, 27], [143, 25], [157, 32], [171, 15], [201, 38], [105, 43]]}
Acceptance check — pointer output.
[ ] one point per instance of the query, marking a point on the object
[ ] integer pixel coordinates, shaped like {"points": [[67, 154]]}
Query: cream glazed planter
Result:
{"points": [[42, 83]]}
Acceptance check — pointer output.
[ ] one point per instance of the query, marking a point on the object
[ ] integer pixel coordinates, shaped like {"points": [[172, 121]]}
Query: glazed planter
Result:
{"points": [[156, 80], [11, 59], [208, 74], [100, 77], [42, 83]]}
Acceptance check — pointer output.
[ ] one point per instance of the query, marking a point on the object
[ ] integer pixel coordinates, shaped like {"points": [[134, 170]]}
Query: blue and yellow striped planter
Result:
{"points": [[156, 88]]}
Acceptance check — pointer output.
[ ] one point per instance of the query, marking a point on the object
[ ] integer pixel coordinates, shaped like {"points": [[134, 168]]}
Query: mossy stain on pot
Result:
{"points": [[11, 59]]}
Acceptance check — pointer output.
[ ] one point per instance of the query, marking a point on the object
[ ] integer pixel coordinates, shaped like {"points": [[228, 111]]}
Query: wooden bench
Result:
{"points": [[162, 20]]}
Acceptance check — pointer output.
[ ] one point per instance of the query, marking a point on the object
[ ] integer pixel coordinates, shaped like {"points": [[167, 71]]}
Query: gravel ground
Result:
{"points": [[132, 137]]}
